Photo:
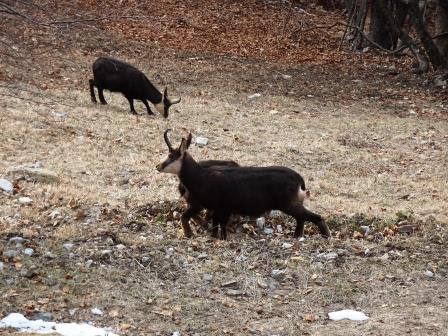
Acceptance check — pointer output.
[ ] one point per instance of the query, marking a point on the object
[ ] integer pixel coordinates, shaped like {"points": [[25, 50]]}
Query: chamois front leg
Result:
{"points": [[92, 90], [148, 109], [191, 211]]}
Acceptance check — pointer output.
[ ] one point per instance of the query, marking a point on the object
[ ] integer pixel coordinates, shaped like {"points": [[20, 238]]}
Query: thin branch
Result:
{"points": [[111, 17]]}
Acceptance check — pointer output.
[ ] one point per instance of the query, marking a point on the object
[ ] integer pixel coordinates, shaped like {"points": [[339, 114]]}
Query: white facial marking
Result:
{"points": [[302, 194], [160, 107], [173, 168]]}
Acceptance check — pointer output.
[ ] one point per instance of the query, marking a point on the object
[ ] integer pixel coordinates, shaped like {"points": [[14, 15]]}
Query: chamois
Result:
{"points": [[118, 76], [240, 190]]}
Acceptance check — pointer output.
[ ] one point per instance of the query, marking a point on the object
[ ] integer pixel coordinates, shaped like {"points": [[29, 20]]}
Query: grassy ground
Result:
{"points": [[373, 151]]}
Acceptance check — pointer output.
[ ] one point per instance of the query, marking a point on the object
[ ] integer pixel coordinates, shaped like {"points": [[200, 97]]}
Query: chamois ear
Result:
{"points": [[183, 146]]}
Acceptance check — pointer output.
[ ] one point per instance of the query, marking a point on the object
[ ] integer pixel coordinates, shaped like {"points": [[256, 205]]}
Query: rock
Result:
{"points": [[120, 247], [287, 245], [365, 229], [203, 256], [60, 114], [105, 253], [97, 311], [347, 314], [55, 214], [73, 311], [68, 246], [30, 272], [89, 263], [234, 292], [384, 257], [176, 333], [36, 174], [2, 266], [231, 283], [16, 240], [7, 186], [201, 141], [429, 274], [262, 283], [169, 252], [49, 255], [176, 215], [145, 259], [268, 231], [278, 274], [286, 76], [25, 200], [327, 256], [253, 96], [279, 228], [28, 251], [10, 253], [260, 221], [207, 277], [42, 316], [275, 213]]}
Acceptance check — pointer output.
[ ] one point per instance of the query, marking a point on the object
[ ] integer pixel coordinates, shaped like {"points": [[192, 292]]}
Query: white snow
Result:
{"points": [[347, 314], [18, 321]]}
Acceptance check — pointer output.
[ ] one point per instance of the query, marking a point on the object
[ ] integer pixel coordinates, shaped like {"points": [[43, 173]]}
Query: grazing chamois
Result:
{"points": [[117, 76], [240, 190]]}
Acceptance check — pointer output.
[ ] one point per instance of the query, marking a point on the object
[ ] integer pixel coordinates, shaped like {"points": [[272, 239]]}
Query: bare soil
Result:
{"points": [[372, 147]]}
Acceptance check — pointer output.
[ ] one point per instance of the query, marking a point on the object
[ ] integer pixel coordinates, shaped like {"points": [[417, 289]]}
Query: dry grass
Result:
{"points": [[356, 157]]}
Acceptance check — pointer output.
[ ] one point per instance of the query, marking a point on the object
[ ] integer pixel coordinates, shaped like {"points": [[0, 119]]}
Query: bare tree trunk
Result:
{"points": [[442, 28], [431, 49]]}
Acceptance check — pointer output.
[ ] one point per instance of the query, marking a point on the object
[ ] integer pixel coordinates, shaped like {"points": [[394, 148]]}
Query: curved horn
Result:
{"points": [[168, 143], [172, 102]]}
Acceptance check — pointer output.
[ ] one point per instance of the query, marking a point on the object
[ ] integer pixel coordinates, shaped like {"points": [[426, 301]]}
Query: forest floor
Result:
{"points": [[369, 137]]}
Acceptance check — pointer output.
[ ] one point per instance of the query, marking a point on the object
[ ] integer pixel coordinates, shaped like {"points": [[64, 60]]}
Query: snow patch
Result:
{"points": [[347, 314], [18, 321]]}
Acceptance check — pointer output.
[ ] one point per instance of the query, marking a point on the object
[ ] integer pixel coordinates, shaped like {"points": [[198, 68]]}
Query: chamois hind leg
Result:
{"points": [[92, 90], [131, 104], [101, 96], [302, 214], [220, 219], [147, 107], [191, 211]]}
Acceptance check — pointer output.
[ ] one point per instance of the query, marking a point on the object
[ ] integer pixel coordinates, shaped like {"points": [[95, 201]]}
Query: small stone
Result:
{"points": [[262, 283], [176, 215], [7, 186], [203, 256], [429, 274], [384, 257], [16, 240], [106, 253], [89, 263], [49, 255], [275, 213], [278, 274], [145, 259], [30, 272], [42, 316], [28, 251], [68, 246], [10, 253], [120, 247], [261, 221], [301, 239], [73, 311], [36, 174], [365, 229], [234, 292], [176, 333], [25, 200], [286, 76], [287, 245], [97, 311], [2, 266], [207, 277], [55, 214], [231, 283], [201, 141], [328, 256], [268, 231], [273, 112], [253, 96], [279, 228]]}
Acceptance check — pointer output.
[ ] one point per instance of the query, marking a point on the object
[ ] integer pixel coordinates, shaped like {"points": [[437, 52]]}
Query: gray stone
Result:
{"points": [[279, 228], [105, 253], [261, 221], [2, 266], [42, 316], [429, 274], [36, 174], [145, 259], [203, 256], [49, 255], [7, 186], [68, 246], [278, 274], [207, 277], [253, 96], [28, 251], [201, 141], [97, 311], [25, 200], [327, 256], [10, 253], [16, 240], [287, 245], [365, 229], [29, 273], [268, 231], [231, 283]]}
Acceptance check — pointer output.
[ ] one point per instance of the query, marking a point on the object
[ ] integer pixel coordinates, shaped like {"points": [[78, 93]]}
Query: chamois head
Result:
{"points": [[173, 162], [167, 103]]}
